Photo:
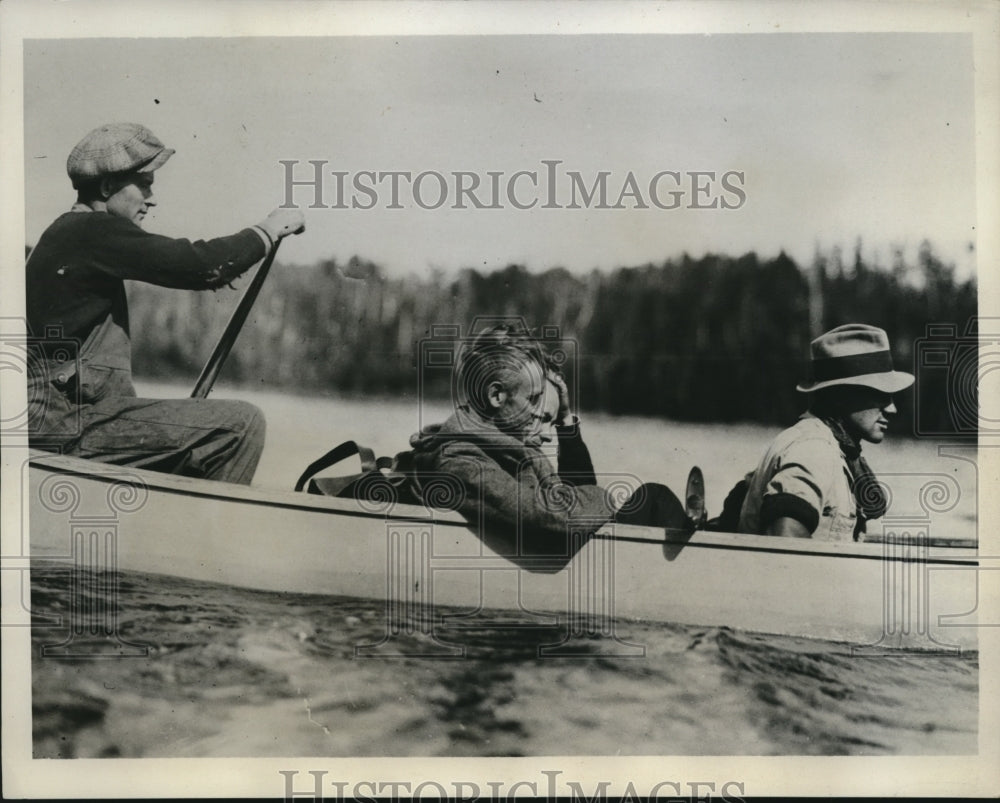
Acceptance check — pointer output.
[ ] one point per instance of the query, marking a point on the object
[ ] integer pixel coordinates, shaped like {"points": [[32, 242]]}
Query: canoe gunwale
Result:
{"points": [[939, 555], [405, 555]]}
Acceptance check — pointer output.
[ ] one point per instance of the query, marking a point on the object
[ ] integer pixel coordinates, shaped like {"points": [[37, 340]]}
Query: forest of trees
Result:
{"points": [[720, 338]]}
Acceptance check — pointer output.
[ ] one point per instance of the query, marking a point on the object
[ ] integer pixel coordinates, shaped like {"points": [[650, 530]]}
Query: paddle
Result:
{"points": [[211, 370]]}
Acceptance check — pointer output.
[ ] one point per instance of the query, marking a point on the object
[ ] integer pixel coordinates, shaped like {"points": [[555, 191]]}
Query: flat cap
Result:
{"points": [[115, 148]]}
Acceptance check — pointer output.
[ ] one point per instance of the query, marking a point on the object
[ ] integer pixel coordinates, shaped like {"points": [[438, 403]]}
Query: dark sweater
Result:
{"points": [[78, 311], [74, 276], [76, 303]]}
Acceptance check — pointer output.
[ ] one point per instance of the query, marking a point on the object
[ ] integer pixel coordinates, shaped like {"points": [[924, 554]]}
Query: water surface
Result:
{"points": [[225, 671]]}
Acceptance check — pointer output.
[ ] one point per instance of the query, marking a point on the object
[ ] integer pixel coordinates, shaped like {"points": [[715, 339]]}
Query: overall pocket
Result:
{"points": [[96, 382]]}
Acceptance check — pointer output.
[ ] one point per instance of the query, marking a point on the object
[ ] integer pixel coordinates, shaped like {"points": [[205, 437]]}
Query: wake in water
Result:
{"points": [[232, 672]]}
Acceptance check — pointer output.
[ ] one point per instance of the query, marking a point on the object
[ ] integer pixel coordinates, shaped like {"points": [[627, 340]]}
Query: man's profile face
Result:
{"points": [[519, 414], [550, 404], [132, 197], [546, 415], [867, 413]]}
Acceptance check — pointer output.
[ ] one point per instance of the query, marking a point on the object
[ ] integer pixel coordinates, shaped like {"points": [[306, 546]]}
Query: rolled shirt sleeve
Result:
{"points": [[796, 489], [803, 475]]}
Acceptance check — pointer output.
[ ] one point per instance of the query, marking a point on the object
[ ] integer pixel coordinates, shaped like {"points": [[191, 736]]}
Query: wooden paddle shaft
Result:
{"points": [[211, 370]]}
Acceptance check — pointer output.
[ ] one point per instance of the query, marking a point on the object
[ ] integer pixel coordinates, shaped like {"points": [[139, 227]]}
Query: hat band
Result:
{"points": [[872, 362]]}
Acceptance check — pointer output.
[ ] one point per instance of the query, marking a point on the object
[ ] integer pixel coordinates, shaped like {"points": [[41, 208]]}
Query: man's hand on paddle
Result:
{"points": [[282, 222]]}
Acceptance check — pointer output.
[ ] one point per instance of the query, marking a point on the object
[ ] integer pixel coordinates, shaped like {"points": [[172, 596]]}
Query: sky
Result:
{"points": [[830, 137]]}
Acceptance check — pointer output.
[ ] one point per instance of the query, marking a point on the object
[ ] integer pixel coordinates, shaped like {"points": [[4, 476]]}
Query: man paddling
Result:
{"points": [[81, 400], [813, 481], [523, 507]]}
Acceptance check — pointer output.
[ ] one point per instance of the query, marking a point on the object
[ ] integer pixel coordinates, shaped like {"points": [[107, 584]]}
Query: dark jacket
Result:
{"points": [[509, 491], [75, 297]]}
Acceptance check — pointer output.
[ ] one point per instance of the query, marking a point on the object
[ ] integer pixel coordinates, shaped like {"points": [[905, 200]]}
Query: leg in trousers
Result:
{"points": [[209, 438]]}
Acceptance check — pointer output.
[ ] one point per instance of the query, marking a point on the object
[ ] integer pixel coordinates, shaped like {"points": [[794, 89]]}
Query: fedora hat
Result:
{"points": [[854, 354], [116, 148]]}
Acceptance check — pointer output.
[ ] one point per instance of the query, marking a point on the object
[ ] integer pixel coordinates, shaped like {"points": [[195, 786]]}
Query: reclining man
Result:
{"points": [[813, 482], [523, 508], [84, 404]]}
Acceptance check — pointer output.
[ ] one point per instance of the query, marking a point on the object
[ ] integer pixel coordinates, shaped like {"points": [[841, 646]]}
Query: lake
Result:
{"points": [[236, 672]]}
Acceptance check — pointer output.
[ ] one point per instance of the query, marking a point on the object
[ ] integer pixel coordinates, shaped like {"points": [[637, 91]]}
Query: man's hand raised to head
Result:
{"points": [[564, 416]]}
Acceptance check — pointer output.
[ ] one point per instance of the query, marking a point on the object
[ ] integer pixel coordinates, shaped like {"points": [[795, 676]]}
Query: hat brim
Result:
{"points": [[886, 382], [156, 162]]}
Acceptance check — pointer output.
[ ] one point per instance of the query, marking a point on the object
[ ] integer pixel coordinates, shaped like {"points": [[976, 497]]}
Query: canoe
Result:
{"points": [[432, 572]]}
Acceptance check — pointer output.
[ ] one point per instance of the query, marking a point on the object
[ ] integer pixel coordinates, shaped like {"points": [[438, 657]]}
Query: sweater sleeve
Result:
{"points": [[122, 249], [575, 465]]}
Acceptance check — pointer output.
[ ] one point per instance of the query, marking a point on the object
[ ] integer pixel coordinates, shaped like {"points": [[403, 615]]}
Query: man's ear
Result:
{"points": [[496, 395], [107, 187]]}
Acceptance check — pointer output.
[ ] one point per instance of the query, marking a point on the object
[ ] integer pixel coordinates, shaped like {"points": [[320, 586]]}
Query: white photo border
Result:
{"points": [[112, 778]]}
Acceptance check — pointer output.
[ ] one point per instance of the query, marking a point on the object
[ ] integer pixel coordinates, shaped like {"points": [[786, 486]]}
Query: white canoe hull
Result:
{"points": [[428, 563]]}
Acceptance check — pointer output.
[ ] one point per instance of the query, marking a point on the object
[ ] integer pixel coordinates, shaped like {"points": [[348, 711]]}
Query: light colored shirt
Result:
{"points": [[804, 475]]}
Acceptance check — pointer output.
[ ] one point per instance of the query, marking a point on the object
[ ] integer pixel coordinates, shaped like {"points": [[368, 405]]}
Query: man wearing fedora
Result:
{"points": [[813, 481], [81, 400]]}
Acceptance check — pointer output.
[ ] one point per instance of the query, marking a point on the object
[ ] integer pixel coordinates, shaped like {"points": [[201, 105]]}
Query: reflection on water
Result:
{"points": [[233, 672]]}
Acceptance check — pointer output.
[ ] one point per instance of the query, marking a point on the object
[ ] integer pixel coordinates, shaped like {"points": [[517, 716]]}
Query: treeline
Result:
{"points": [[718, 339]]}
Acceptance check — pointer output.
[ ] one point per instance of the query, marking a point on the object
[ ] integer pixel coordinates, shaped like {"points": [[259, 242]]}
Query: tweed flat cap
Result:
{"points": [[115, 148]]}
